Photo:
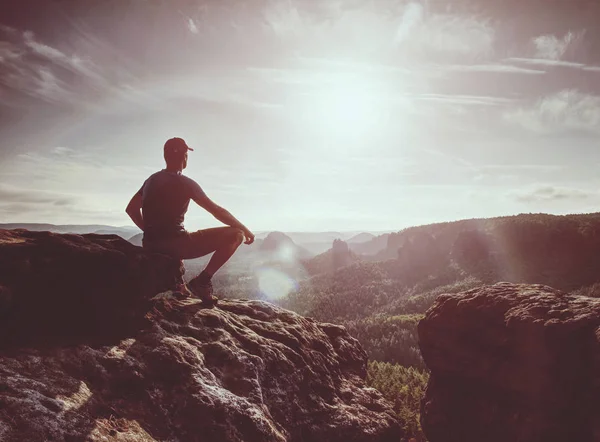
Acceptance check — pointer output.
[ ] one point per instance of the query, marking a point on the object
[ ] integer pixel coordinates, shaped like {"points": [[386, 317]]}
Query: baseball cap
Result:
{"points": [[176, 145]]}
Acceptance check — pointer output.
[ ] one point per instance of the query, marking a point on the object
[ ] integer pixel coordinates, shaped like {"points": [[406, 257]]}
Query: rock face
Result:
{"points": [[512, 363], [54, 285], [244, 371]]}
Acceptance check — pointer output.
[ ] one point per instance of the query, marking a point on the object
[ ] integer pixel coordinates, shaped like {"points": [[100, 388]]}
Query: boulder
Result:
{"points": [[244, 371], [55, 286], [512, 363]]}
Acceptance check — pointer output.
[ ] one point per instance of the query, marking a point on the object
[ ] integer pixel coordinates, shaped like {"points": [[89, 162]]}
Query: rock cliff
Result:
{"points": [[65, 287], [512, 363], [107, 363]]}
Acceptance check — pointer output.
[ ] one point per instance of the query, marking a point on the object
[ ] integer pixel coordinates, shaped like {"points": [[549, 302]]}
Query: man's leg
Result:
{"points": [[223, 241]]}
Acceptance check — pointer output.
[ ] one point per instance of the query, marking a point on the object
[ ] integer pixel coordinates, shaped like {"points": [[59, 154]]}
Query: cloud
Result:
{"points": [[463, 99], [565, 111], [366, 28], [463, 35], [10, 195], [411, 18], [546, 62], [494, 68], [551, 193], [31, 68], [551, 47], [192, 26]]}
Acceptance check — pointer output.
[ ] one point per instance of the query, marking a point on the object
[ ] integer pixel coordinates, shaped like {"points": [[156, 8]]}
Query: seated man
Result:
{"points": [[159, 207]]}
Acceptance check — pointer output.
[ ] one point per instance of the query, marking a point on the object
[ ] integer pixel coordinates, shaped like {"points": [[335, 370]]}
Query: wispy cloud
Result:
{"points": [[551, 51], [15, 195], [463, 99], [362, 28], [547, 62], [35, 69], [468, 36], [494, 68], [551, 193], [551, 47], [192, 26], [568, 110]]}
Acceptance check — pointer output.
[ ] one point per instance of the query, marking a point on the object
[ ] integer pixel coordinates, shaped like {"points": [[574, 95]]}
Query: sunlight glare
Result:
{"points": [[274, 284], [351, 106], [286, 253]]}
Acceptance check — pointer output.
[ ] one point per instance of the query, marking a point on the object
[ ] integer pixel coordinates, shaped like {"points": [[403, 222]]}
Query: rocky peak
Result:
{"points": [[275, 240], [244, 371], [512, 363]]}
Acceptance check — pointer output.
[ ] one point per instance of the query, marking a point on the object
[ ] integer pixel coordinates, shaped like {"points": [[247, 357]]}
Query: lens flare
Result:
{"points": [[274, 284], [286, 253]]}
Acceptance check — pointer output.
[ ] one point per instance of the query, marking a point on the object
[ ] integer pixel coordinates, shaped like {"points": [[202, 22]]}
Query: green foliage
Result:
{"points": [[333, 259], [352, 292], [404, 388], [380, 302], [389, 338]]}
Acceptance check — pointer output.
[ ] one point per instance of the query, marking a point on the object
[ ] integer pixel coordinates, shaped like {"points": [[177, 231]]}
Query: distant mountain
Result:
{"points": [[281, 244], [318, 242], [387, 298], [79, 229], [338, 256], [136, 240], [371, 247], [361, 238], [318, 237]]}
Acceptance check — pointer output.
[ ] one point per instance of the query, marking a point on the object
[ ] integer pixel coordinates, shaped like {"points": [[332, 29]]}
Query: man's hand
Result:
{"points": [[249, 237], [223, 215]]}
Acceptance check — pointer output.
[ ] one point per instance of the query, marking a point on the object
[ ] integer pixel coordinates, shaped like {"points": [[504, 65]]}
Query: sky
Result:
{"points": [[309, 115]]}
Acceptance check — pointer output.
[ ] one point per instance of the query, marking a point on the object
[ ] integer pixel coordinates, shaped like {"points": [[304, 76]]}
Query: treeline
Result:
{"points": [[389, 338], [404, 388], [559, 251], [380, 303]]}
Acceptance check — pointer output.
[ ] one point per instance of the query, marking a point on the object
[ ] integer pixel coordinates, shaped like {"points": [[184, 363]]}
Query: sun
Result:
{"points": [[350, 106]]}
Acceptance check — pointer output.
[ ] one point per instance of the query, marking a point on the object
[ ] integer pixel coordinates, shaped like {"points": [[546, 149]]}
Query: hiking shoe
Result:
{"points": [[181, 291], [204, 291]]}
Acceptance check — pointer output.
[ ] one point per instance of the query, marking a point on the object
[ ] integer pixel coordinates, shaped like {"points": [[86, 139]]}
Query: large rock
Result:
{"points": [[245, 371], [512, 363], [64, 286]]}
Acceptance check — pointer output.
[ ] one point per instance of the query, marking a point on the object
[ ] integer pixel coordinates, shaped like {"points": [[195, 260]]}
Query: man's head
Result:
{"points": [[176, 153]]}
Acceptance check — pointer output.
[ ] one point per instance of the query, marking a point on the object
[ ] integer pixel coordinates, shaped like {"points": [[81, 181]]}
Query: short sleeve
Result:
{"points": [[194, 189]]}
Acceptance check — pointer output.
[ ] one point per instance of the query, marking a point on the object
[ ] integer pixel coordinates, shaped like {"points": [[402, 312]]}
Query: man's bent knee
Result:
{"points": [[238, 236]]}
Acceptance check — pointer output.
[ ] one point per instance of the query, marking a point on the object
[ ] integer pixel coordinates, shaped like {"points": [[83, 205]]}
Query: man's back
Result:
{"points": [[159, 208], [165, 199]]}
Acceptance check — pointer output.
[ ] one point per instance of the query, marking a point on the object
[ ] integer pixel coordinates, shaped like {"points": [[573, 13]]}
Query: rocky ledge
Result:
{"points": [[245, 371], [69, 287], [512, 363]]}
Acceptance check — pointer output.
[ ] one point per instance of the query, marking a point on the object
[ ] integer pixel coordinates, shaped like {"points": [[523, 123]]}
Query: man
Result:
{"points": [[159, 208]]}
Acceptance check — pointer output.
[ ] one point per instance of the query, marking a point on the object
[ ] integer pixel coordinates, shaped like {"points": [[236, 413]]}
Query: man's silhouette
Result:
{"points": [[159, 207]]}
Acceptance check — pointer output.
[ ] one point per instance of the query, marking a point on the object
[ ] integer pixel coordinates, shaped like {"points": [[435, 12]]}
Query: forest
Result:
{"points": [[381, 302]]}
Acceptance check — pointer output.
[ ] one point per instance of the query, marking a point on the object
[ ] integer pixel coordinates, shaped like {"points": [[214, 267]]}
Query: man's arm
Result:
{"points": [[223, 215], [134, 210]]}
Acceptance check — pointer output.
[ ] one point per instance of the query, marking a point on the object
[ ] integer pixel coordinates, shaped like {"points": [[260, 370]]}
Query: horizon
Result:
{"points": [[346, 232], [340, 116]]}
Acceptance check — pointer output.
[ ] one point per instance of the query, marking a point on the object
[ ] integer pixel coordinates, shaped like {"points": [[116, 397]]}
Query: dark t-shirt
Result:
{"points": [[165, 200]]}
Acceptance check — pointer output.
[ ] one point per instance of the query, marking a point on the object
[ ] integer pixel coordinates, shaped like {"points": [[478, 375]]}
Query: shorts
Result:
{"points": [[184, 246]]}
